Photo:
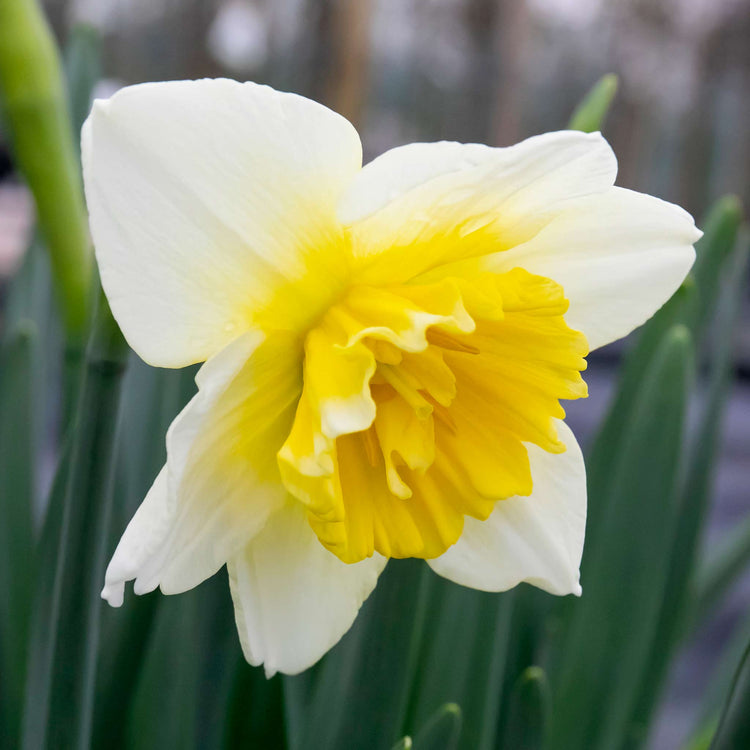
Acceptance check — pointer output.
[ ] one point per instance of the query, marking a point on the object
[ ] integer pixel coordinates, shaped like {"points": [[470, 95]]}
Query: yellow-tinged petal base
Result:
{"points": [[418, 401]]}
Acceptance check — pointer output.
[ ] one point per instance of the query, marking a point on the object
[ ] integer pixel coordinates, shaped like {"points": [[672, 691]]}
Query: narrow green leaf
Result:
{"points": [[701, 740], [370, 672], [66, 611], [188, 673], [528, 711], [627, 565], [734, 725], [151, 399], [590, 114], [695, 494], [82, 62], [609, 440], [17, 474], [720, 230], [441, 731], [405, 743], [462, 660], [721, 571], [716, 692]]}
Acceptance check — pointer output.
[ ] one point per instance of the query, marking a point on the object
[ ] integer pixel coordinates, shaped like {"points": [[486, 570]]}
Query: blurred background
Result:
{"points": [[492, 71]]}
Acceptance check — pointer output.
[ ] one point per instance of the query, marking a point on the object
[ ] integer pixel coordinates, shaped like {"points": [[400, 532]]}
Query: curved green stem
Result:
{"points": [[35, 109]]}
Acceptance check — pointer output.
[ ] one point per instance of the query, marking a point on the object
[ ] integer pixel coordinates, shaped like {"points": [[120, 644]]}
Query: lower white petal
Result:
{"points": [[536, 539], [139, 546], [221, 481], [293, 599]]}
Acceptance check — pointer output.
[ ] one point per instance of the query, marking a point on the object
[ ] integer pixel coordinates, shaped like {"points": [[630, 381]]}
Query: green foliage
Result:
{"points": [[590, 114], [16, 500], [733, 731], [636, 532]]}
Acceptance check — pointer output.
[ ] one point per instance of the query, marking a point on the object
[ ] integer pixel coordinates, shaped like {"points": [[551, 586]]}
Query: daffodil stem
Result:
{"points": [[35, 109]]}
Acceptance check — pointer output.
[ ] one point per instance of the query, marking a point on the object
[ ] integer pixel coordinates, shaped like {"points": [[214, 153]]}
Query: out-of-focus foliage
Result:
{"points": [[428, 665]]}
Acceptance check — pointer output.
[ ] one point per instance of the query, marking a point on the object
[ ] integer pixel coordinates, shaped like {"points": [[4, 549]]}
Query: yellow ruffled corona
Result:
{"points": [[385, 348]]}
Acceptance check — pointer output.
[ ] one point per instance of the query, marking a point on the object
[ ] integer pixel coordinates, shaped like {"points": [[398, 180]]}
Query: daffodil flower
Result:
{"points": [[385, 347]]}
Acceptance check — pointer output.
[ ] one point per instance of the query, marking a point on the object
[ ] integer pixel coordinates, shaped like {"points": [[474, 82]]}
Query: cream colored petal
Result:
{"points": [[221, 481], [420, 206], [293, 599], [141, 541], [536, 539], [206, 199], [619, 256]]}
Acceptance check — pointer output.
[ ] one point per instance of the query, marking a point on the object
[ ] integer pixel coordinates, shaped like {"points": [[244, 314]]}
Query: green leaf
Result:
{"points": [[701, 740], [17, 474], [462, 660], [721, 570], [441, 731], [188, 674], [734, 726], [82, 65], [716, 692], [626, 568], [720, 229], [528, 711], [695, 493], [370, 672], [66, 611], [590, 114], [151, 399]]}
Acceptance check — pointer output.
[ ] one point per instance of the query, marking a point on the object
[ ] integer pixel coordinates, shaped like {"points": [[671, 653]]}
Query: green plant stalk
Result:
{"points": [[36, 112]]}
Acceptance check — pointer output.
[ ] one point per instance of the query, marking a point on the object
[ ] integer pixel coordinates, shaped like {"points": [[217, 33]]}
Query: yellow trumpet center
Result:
{"points": [[417, 406]]}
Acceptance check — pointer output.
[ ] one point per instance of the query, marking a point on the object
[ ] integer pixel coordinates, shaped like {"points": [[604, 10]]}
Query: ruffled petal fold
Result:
{"points": [[536, 539]]}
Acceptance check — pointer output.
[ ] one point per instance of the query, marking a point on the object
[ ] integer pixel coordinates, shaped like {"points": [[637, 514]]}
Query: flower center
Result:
{"points": [[417, 406]]}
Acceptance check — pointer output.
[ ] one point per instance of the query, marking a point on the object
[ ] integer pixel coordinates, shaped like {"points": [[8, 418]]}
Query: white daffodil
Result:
{"points": [[385, 346]]}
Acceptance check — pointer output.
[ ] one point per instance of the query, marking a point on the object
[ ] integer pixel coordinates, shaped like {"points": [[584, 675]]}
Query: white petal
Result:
{"points": [[140, 542], [293, 599], [206, 199], [619, 256], [426, 204], [221, 482], [537, 539]]}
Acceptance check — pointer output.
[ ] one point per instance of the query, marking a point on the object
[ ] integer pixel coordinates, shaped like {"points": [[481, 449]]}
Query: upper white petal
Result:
{"points": [[466, 200], [294, 599], [536, 539], [221, 482], [619, 256], [206, 198]]}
